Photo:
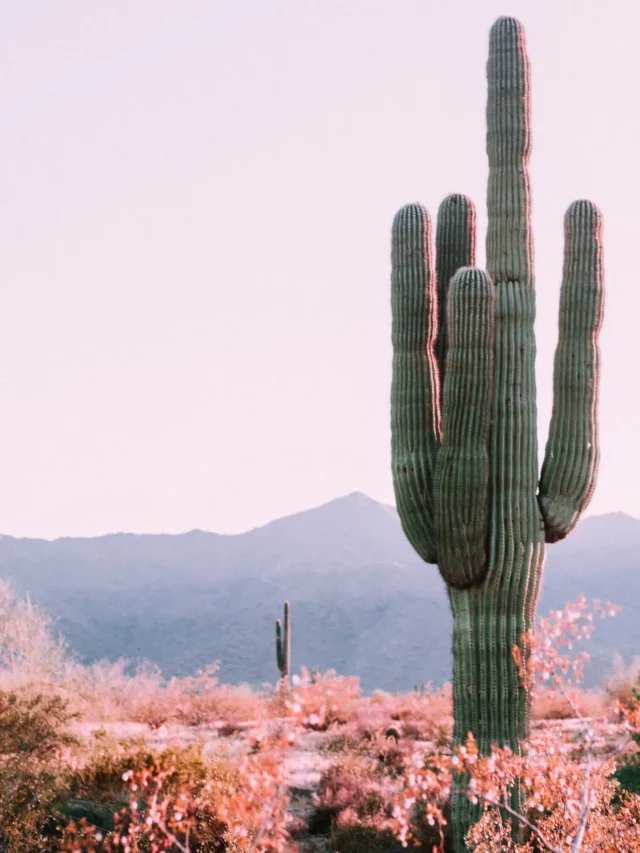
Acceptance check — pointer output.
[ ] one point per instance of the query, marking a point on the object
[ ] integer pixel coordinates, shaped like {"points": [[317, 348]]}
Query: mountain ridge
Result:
{"points": [[362, 600], [356, 495]]}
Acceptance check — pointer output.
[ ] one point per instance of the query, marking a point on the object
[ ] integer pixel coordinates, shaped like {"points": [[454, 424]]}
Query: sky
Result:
{"points": [[195, 207]]}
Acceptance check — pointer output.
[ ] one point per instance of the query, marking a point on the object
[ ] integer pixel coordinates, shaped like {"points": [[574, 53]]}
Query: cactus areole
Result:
{"points": [[463, 407]]}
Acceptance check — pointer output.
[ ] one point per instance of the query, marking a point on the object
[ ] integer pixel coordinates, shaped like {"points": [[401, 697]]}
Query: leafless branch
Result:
{"points": [[586, 807]]}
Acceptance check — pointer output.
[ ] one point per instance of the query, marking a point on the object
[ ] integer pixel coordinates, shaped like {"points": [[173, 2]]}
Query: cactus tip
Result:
{"points": [[506, 25], [584, 207], [457, 199]]}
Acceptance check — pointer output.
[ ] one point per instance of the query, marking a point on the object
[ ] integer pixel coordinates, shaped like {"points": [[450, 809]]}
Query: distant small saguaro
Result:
{"points": [[283, 643]]}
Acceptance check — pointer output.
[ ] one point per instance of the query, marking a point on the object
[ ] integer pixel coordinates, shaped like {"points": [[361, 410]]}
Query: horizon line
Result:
{"points": [[193, 530]]}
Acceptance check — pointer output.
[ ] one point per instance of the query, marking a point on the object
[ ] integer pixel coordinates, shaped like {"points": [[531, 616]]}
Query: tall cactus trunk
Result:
{"points": [[464, 431], [489, 698], [490, 619]]}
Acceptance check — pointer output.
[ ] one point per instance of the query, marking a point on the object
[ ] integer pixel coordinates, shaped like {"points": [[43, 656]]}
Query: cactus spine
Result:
{"points": [[283, 644], [463, 400]]}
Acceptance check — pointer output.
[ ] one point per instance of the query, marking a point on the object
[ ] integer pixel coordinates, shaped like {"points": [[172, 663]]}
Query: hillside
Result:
{"points": [[362, 602]]}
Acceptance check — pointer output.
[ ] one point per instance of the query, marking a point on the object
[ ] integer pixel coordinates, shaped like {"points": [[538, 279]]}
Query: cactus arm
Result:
{"points": [[572, 453], [455, 248], [462, 468], [415, 388]]}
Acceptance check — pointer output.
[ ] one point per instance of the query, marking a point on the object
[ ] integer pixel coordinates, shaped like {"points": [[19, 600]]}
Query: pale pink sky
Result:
{"points": [[195, 207]]}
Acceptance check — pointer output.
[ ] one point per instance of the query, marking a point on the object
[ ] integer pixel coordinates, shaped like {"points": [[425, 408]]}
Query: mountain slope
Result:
{"points": [[362, 602]]}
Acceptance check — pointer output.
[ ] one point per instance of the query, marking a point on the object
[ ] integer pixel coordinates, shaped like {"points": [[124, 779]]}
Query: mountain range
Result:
{"points": [[362, 602]]}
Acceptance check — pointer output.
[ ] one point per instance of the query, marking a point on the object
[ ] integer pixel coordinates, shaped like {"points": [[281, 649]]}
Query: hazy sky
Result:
{"points": [[195, 206]]}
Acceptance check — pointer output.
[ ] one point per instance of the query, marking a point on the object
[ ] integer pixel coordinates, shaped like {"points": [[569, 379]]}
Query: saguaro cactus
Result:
{"points": [[283, 643], [463, 402]]}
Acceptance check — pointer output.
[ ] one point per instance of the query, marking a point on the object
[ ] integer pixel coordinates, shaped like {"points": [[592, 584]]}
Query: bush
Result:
{"points": [[100, 792], [32, 796], [178, 799], [319, 701], [427, 716], [29, 653], [628, 774], [33, 724], [106, 692], [356, 790], [35, 746], [622, 685], [554, 704]]}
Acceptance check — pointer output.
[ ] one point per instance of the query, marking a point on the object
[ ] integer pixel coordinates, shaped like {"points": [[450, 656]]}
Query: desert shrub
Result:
{"points": [[320, 701], [549, 704], [120, 782], [33, 724], [29, 651], [355, 838], [116, 691], [354, 788], [203, 701], [32, 795], [427, 716], [628, 774], [101, 776], [348, 740], [100, 788], [622, 685], [107, 692], [356, 801], [179, 799], [35, 748], [381, 747]]}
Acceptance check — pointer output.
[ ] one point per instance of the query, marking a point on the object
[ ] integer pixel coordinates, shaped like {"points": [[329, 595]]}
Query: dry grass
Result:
{"points": [[105, 692], [29, 652], [553, 705], [620, 686]]}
